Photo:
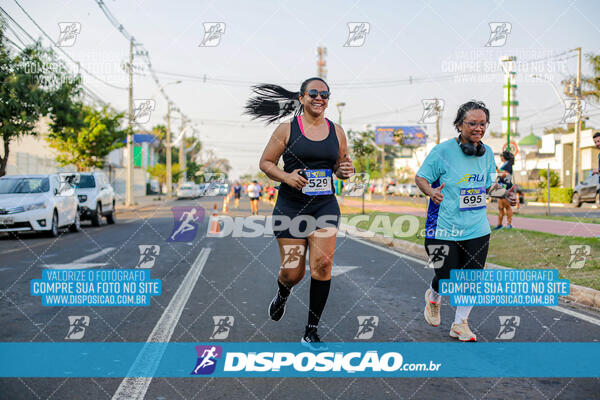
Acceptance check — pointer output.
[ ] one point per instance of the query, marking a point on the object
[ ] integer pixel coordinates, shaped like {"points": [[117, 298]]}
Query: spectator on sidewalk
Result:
{"points": [[505, 178]]}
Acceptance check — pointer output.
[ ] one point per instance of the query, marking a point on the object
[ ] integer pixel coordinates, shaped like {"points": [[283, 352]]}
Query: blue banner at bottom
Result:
{"points": [[226, 360]]}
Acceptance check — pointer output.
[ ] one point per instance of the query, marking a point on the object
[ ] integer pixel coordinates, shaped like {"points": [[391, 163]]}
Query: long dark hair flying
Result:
{"points": [[272, 102]]}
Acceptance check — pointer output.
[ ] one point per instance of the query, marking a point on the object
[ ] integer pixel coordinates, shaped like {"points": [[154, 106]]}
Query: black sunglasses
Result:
{"points": [[313, 93]]}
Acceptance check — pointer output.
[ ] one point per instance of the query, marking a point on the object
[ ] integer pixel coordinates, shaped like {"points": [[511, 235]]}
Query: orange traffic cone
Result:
{"points": [[225, 205], [215, 227]]}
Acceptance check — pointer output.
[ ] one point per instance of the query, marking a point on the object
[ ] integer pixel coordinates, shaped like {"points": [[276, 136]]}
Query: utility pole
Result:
{"points": [[129, 179], [182, 151], [437, 121], [321, 63], [383, 165], [576, 147], [168, 142]]}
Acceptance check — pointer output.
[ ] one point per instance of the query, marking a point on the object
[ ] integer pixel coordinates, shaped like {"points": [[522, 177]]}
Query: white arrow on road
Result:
{"points": [[82, 262]]}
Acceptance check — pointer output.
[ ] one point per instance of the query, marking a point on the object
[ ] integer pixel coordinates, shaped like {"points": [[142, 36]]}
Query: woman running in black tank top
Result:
{"points": [[306, 215]]}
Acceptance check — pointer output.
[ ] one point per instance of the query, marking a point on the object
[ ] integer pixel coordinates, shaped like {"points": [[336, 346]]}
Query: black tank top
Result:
{"points": [[301, 152]]}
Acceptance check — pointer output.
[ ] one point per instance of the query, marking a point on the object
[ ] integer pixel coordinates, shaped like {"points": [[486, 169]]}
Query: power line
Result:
{"points": [[144, 52], [86, 90], [65, 53], [17, 24], [548, 57]]}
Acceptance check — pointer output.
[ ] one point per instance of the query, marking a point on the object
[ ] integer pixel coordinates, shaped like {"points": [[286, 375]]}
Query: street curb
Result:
{"points": [[542, 204], [581, 295], [139, 207]]}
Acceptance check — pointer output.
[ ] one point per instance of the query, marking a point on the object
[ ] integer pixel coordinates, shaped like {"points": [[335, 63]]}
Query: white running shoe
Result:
{"points": [[432, 310], [462, 332]]}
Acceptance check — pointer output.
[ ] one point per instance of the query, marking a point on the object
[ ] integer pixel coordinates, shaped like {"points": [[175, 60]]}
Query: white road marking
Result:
{"points": [[82, 262], [563, 310], [342, 269], [148, 359], [576, 314], [74, 265]]}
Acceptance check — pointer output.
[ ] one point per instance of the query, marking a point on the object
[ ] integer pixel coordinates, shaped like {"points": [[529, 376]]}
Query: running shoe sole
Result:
{"points": [[457, 336], [311, 345]]}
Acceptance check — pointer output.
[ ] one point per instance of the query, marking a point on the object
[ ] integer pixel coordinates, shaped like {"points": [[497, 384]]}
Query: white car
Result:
{"points": [[223, 189], [188, 190], [96, 198], [38, 203], [202, 189]]}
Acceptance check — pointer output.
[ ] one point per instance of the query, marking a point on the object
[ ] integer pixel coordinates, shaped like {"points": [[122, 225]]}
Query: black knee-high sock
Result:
{"points": [[319, 291], [284, 291]]}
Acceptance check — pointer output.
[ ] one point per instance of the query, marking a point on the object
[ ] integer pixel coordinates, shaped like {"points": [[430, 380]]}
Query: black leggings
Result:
{"points": [[449, 254]]}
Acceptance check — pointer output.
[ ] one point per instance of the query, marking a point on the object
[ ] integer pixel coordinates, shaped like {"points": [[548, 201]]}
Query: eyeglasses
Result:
{"points": [[313, 93], [473, 124]]}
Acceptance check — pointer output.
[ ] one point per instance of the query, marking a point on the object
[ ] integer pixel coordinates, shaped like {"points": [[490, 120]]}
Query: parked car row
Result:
{"points": [[404, 189], [189, 190], [48, 202]]}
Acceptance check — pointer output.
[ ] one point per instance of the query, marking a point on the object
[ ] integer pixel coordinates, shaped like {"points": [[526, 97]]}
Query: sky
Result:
{"points": [[413, 51]]}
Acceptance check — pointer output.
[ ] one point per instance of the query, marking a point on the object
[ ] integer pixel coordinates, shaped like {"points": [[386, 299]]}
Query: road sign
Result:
{"points": [[514, 149]]}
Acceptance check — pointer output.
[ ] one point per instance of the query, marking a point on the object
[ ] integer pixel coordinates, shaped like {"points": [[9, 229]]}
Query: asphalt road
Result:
{"points": [[238, 280]]}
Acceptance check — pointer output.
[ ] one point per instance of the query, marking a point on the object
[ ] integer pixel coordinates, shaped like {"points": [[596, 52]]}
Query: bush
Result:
{"points": [[554, 179], [557, 195]]}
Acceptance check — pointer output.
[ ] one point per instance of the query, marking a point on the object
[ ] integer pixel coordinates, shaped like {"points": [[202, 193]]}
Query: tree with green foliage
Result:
{"points": [[159, 172], [364, 153], [88, 137], [192, 171], [592, 83], [29, 82]]}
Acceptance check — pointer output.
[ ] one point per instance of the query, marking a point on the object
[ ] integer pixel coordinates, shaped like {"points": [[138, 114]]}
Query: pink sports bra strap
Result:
{"points": [[300, 124], [299, 118]]}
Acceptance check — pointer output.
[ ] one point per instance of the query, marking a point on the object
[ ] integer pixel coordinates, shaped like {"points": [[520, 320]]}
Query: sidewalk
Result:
{"points": [[555, 227], [141, 202]]}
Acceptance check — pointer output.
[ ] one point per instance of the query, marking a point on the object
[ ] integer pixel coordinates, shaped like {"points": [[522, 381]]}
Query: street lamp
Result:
{"points": [[535, 76], [161, 89], [340, 106]]}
